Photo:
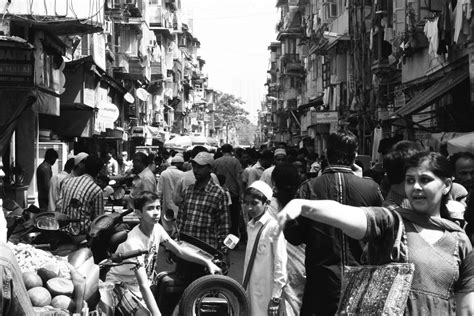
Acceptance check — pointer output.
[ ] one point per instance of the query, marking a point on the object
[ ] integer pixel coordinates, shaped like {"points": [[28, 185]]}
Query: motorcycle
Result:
{"points": [[190, 290]]}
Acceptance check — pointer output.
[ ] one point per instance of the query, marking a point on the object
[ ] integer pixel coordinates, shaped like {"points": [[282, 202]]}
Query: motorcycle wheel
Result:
{"points": [[210, 285]]}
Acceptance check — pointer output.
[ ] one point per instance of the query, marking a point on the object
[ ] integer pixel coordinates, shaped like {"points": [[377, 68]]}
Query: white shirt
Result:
{"points": [[137, 240], [55, 189], [165, 188], [252, 173], [269, 274]]}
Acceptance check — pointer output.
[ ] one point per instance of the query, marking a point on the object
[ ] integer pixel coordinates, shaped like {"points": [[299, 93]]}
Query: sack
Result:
{"points": [[377, 290]]}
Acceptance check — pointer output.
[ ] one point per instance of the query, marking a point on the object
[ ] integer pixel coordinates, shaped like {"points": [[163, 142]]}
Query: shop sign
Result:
{"points": [[107, 112], [324, 117], [16, 67]]}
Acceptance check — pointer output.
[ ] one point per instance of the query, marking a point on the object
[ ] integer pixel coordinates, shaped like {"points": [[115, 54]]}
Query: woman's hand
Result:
{"points": [[291, 211], [213, 269]]}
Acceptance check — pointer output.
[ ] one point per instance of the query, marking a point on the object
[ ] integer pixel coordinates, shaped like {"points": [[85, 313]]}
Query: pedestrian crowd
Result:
{"points": [[301, 218]]}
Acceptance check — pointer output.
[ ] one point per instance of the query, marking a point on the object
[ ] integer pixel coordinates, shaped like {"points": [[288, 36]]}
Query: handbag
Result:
{"points": [[376, 289]]}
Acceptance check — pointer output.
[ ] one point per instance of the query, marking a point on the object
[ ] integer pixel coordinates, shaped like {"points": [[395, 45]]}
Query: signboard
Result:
{"points": [[107, 114], [324, 117], [16, 67]]}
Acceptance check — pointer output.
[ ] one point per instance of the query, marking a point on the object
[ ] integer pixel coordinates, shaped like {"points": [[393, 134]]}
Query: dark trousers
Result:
{"points": [[321, 293], [235, 216]]}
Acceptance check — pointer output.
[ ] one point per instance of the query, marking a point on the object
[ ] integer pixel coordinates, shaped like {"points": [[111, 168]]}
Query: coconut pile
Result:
{"points": [[47, 279]]}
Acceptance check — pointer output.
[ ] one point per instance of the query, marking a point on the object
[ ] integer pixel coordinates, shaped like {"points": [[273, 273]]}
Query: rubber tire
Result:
{"points": [[221, 282]]}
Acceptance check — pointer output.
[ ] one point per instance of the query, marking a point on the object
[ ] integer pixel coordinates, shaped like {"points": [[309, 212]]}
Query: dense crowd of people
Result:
{"points": [[288, 207]]}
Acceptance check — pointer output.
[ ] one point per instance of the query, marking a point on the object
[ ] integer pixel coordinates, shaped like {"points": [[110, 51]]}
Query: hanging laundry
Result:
{"points": [[431, 32], [444, 29], [461, 12]]}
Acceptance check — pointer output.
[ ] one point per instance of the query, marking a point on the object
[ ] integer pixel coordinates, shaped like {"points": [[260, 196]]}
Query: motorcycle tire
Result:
{"points": [[232, 290]]}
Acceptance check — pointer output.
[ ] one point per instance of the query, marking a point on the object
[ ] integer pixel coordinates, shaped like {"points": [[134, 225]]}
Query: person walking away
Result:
{"points": [[144, 179], [279, 157], [79, 166], [231, 168], [166, 185], [323, 262], [44, 174], [286, 181], [147, 235], [204, 212], [56, 182], [265, 263], [442, 282], [81, 198]]}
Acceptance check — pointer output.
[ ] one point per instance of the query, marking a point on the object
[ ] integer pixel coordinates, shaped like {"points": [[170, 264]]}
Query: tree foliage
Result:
{"points": [[229, 111]]}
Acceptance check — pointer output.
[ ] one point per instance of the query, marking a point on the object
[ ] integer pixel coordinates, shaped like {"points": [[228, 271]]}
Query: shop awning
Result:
{"points": [[432, 93], [76, 120]]}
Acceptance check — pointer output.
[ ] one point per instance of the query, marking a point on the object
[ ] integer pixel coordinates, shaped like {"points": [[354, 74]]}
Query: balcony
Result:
{"points": [[156, 70], [135, 70], [291, 64]]}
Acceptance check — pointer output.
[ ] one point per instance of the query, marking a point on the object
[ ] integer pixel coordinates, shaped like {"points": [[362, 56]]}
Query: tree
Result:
{"points": [[230, 114]]}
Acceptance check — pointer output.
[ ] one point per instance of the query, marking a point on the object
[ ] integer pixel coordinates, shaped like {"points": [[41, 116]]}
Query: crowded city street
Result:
{"points": [[236, 157]]}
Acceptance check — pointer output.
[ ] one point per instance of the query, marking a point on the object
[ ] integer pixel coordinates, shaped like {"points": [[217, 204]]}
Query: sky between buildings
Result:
{"points": [[234, 36]]}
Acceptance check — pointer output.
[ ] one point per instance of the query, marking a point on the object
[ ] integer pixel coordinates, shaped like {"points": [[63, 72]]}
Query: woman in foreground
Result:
{"points": [[443, 282]]}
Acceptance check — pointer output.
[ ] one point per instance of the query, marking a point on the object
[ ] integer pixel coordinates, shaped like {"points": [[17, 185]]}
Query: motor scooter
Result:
{"points": [[191, 290]]}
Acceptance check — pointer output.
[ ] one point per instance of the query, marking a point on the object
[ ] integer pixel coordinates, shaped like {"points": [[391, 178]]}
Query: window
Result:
{"points": [[314, 68], [290, 46], [128, 41], [330, 9]]}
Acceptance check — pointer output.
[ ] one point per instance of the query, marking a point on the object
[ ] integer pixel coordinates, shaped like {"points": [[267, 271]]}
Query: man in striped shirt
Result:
{"points": [[81, 198]]}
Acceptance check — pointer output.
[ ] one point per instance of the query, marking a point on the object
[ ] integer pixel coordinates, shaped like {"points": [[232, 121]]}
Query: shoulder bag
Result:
{"points": [[376, 289]]}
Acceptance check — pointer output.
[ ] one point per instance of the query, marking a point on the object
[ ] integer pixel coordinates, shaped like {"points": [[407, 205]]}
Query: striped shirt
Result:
{"points": [[88, 193], [204, 214]]}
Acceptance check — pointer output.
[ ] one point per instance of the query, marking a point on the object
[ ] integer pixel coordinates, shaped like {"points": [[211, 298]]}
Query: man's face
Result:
{"points": [[279, 159], [201, 172], [138, 165], [265, 163], [125, 156], [464, 172]]}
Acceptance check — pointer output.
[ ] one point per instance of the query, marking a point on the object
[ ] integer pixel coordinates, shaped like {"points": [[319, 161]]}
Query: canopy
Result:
{"points": [[199, 140], [461, 143], [179, 143]]}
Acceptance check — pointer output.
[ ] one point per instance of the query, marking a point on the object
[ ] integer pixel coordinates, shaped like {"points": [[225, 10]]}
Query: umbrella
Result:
{"points": [[179, 142], [461, 143]]}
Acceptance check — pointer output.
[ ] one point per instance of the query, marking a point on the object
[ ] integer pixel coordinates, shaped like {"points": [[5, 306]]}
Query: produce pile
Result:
{"points": [[31, 259], [47, 279]]}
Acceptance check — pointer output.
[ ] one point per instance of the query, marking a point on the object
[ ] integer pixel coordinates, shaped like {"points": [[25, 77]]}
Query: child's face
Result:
{"points": [[254, 206], [151, 212]]}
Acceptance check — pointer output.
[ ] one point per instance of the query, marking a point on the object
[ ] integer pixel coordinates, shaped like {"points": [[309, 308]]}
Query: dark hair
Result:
{"points": [[187, 155], [267, 155], [439, 165], [459, 155], [197, 149], [227, 148], [92, 165], [394, 160], [51, 154], [255, 194], [341, 148], [141, 156], [69, 165], [143, 198], [286, 180]]}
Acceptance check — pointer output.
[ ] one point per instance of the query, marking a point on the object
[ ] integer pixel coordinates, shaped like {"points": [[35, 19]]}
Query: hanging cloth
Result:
{"points": [[431, 32]]}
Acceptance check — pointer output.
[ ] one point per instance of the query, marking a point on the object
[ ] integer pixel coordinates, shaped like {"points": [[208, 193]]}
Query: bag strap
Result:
{"points": [[395, 253], [341, 198], [252, 256]]}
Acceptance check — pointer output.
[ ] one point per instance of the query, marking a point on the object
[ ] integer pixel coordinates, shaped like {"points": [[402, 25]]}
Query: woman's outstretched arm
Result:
{"points": [[351, 220]]}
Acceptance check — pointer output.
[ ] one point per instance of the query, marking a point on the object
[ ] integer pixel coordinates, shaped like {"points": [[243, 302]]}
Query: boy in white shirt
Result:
{"points": [[135, 280], [267, 275]]}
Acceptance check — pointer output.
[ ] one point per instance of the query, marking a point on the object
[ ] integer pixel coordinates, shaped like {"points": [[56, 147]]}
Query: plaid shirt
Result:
{"points": [[204, 214], [86, 191]]}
